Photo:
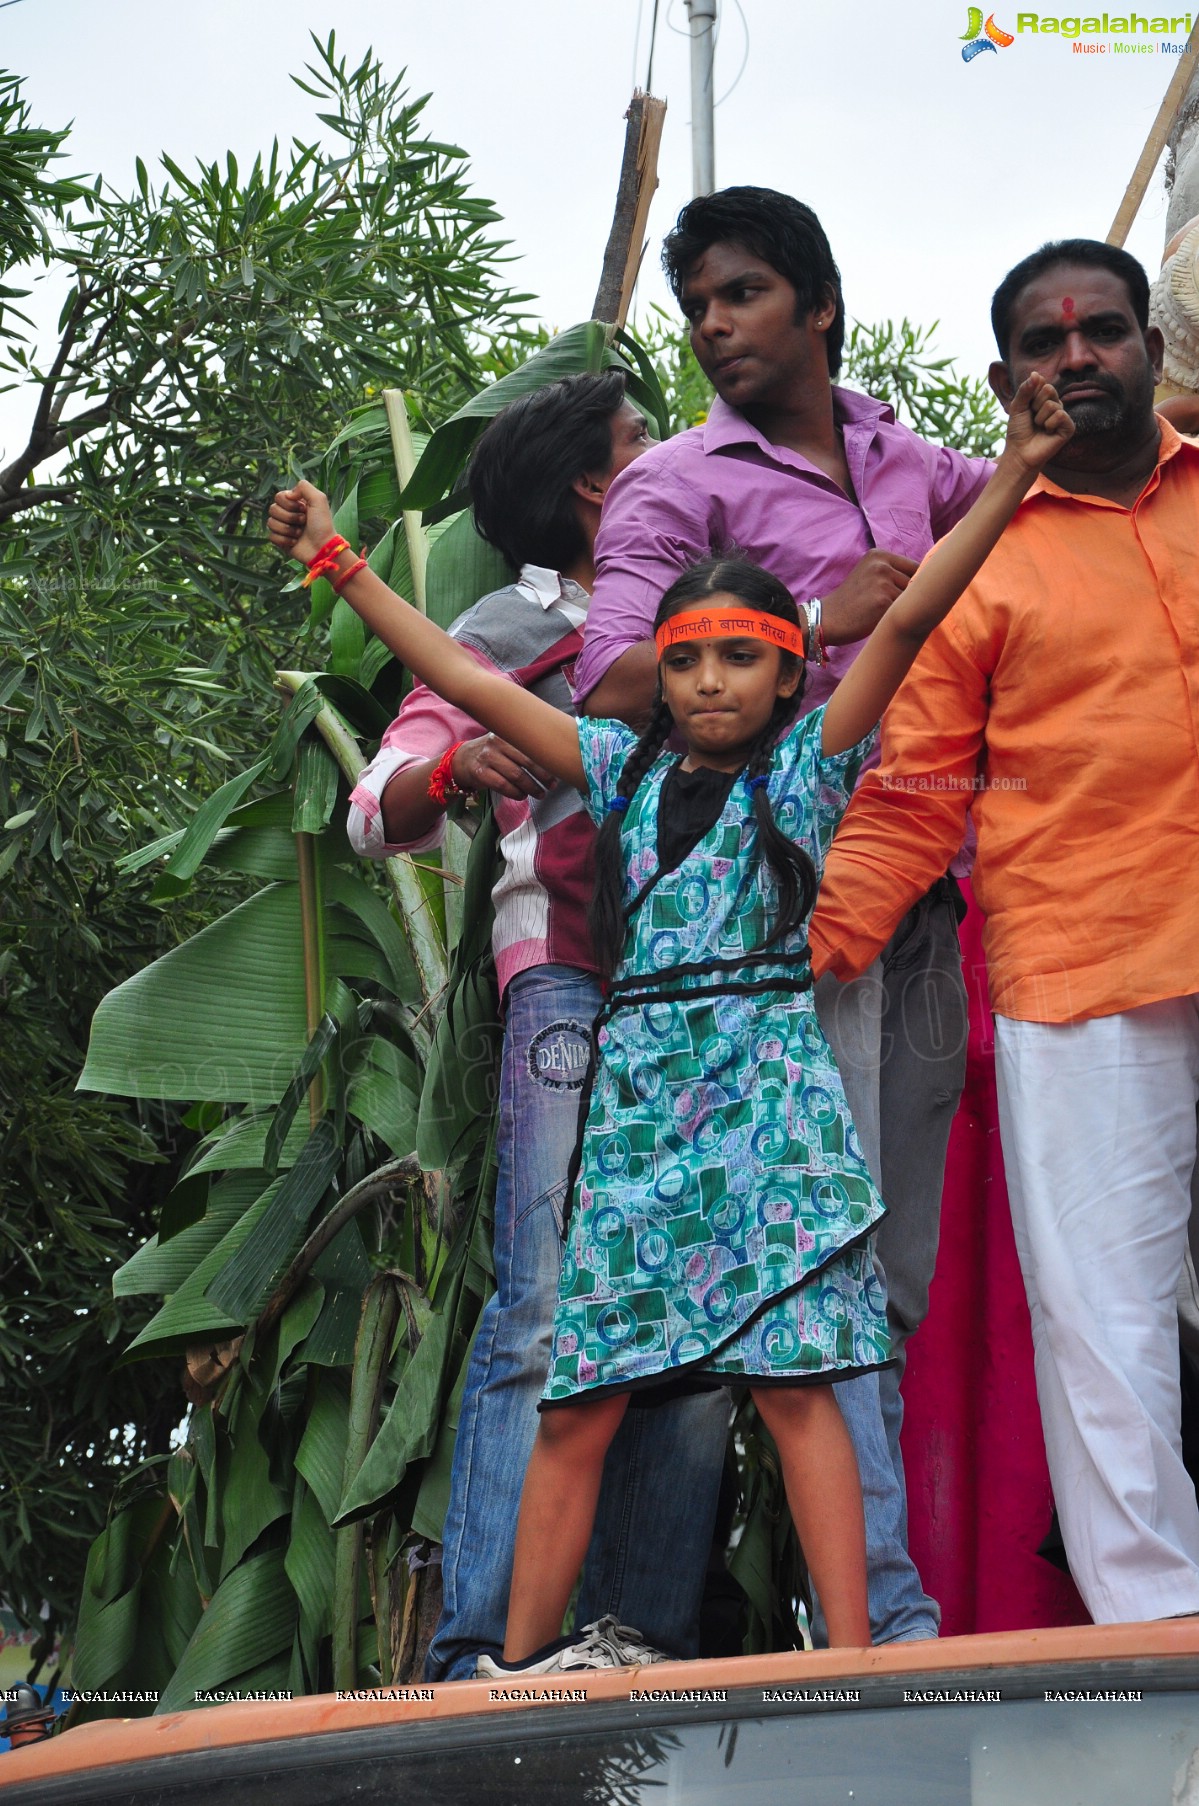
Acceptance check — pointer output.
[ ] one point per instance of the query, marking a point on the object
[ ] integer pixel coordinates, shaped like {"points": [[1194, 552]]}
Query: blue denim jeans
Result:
{"points": [[899, 1035], [657, 1504]]}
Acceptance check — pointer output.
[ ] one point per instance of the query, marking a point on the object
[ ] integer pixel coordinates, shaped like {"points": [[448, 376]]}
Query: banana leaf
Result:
{"points": [[409, 1430], [309, 1567], [321, 1456], [139, 1607], [241, 1144], [385, 1095], [187, 1314], [354, 703], [252, 1617], [188, 855], [579, 348], [163, 1267], [220, 1017], [347, 640], [243, 1282], [315, 788], [350, 892], [433, 1498], [250, 1498], [462, 567], [267, 853]]}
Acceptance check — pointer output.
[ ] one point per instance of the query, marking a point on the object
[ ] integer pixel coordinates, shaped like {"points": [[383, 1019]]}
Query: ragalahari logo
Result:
{"points": [[978, 37]]}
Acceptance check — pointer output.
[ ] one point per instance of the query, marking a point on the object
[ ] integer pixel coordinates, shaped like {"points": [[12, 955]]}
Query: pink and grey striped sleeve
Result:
{"points": [[425, 727]]}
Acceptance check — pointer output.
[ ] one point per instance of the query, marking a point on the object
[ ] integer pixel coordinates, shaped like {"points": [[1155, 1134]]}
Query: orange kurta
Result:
{"points": [[1060, 698]]}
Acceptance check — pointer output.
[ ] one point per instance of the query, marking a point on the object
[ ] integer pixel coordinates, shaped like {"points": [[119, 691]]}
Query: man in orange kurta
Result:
{"points": [[1060, 699]]}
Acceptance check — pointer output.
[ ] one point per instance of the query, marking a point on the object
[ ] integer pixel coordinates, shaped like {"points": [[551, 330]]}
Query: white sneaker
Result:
{"points": [[603, 1645], [618, 1645]]}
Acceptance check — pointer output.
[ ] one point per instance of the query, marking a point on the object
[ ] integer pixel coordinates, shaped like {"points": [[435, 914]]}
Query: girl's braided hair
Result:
{"points": [[791, 866]]}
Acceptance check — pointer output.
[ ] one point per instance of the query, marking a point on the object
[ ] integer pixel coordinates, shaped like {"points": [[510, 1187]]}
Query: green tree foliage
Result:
{"points": [[898, 363], [220, 326], [29, 196], [218, 330]]}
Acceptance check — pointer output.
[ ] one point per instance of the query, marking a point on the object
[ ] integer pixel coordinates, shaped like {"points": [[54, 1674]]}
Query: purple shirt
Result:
{"points": [[722, 485]]}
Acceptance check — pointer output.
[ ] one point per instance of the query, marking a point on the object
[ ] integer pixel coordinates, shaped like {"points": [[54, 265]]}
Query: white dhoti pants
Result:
{"points": [[1098, 1122]]}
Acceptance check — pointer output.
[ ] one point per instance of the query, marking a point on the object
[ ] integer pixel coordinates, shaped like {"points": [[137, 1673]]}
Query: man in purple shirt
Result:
{"points": [[823, 488]]}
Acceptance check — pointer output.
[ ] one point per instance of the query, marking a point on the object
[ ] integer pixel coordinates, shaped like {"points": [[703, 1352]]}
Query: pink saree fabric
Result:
{"points": [[979, 1499]]}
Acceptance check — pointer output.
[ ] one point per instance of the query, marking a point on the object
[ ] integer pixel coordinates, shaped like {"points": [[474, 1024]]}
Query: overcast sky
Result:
{"points": [[931, 176]]}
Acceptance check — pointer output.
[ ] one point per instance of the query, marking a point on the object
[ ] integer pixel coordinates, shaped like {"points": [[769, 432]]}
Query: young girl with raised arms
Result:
{"points": [[722, 1211]]}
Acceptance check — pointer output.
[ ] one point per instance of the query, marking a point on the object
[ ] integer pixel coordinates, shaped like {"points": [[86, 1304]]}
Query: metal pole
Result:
{"points": [[702, 16]]}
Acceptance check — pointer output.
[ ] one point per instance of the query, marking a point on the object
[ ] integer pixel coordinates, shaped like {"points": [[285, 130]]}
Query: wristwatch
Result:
{"points": [[817, 650]]}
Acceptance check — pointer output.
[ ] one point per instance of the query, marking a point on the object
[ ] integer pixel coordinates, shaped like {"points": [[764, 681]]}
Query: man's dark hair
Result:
{"points": [[523, 466], [1090, 253], [775, 227]]}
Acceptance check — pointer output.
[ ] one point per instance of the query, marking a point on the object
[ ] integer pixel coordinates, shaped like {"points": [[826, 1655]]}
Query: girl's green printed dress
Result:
{"points": [[721, 1218]]}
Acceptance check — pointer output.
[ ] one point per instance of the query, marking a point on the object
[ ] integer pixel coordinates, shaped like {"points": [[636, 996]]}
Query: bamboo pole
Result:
{"points": [[1155, 143], [635, 191]]}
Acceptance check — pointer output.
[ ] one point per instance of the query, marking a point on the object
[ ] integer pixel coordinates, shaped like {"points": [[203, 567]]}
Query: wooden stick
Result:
{"points": [[635, 191], [1160, 130]]}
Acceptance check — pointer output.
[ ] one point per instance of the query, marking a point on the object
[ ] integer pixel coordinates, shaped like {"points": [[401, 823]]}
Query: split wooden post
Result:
{"points": [[638, 180]]}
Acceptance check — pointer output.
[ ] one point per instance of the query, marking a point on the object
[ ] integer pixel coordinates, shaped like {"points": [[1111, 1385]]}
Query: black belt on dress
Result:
{"points": [[633, 992]]}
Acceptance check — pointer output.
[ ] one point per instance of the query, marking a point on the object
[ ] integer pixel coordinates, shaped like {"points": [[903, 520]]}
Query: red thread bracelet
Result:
{"points": [[339, 583], [330, 549], [326, 559], [441, 780]]}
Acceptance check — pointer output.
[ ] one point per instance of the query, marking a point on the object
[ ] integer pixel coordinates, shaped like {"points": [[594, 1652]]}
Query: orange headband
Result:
{"points": [[728, 624]]}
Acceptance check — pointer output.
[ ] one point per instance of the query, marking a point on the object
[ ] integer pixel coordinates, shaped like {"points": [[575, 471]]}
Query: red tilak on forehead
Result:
{"points": [[1068, 304]]}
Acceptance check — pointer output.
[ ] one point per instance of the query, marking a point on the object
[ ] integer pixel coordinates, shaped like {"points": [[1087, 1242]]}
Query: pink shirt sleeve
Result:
{"points": [[425, 727], [653, 526], [957, 482]]}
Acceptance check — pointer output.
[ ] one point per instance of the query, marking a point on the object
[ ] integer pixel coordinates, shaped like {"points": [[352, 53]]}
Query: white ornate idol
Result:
{"points": [[1174, 307]]}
